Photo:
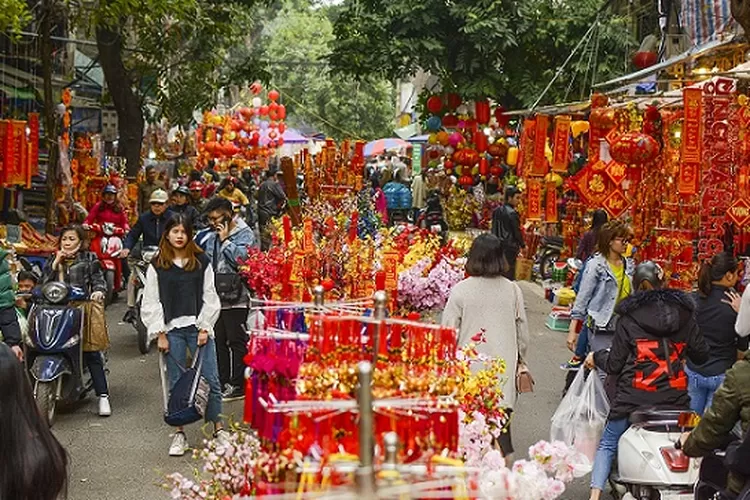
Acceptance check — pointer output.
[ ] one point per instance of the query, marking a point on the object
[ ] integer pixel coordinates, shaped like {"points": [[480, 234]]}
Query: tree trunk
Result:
{"points": [[741, 14], [127, 103], [50, 118]]}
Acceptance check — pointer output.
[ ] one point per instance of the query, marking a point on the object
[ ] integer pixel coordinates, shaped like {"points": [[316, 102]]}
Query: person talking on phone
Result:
{"points": [[225, 242]]}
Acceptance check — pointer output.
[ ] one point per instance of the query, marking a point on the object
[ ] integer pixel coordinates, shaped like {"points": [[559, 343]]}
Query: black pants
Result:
{"points": [[9, 326], [231, 346], [95, 363], [511, 254]]}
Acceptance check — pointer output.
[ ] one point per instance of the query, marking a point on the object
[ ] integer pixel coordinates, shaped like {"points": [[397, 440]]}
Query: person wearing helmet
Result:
{"points": [[196, 196], [231, 192], [150, 227], [655, 333], [181, 204], [108, 210]]}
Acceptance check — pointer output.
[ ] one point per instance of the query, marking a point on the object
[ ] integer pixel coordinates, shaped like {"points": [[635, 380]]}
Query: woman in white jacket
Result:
{"points": [[487, 302], [180, 307]]}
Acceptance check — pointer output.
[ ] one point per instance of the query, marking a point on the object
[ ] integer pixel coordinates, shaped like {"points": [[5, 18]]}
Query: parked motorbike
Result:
{"points": [[107, 245], [139, 275], [548, 254], [54, 347], [649, 465]]}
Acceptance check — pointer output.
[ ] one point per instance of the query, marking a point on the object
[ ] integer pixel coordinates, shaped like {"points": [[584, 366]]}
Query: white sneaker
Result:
{"points": [[222, 438], [179, 445], [105, 409]]}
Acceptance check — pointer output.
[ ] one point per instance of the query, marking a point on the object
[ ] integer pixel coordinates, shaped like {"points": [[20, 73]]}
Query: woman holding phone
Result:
{"points": [[180, 307]]}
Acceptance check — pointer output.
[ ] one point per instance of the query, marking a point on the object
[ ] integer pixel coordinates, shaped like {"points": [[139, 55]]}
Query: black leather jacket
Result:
{"points": [[506, 225], [84, 271]]}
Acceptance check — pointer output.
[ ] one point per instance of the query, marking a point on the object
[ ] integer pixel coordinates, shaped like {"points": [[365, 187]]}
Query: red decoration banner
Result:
{"points": [[534, 202], [550, 203], [561, 144], [691, 142], [539, 167], [390, 266], [10, 153], [526, 149], [34, 142]]}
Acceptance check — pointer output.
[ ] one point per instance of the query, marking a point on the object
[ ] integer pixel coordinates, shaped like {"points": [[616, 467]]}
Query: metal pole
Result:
{"points": [[379, 313], [318, 297], [365, 472], [390, 441]]}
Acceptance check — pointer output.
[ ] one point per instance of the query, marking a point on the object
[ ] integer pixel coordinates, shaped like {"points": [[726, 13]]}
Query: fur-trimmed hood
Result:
{"points": [[659, 312]]}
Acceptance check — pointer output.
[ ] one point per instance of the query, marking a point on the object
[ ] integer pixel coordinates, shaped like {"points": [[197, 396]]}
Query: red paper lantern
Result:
{"points": [[466, 180], [282, 112], [454, 100], [482, 111], [282, 127], [500, 117], [470, 157], [599, 100], [496, 171], [634, 148], [264, 110], [480, 141], [643, 60], [603, 118], [273, 95], [484, 166], [434, 104], [280, 141], [256, 88], [497, 150], [450, 121], [448, 164]]}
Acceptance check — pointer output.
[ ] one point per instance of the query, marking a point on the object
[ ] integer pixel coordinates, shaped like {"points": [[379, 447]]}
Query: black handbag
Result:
{"points": [[189, 397], [229, 286]]}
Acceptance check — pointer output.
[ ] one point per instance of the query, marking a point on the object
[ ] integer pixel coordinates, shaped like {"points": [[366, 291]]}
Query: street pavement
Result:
{"points": [[124, 457]]}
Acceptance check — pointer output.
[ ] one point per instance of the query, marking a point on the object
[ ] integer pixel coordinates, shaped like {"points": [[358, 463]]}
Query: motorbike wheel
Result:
{"points": [[46, 398], [142, 333], [110, 277], [548, 264]]}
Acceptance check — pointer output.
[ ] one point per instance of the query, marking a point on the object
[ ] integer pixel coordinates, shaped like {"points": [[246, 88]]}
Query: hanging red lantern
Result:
{"points": [[454, 100], [434, 104], [280, 141], [497, 150], [634, 148], [448, 164], [599, 100], [470, 157], [273, 95], [480, 141], [450, 121], [282, 127], [500, 117], [466, 180], [644, 59], [602, 118], [264, 110], [484, 166], [256, 88], [496, 171], [482, 111]]}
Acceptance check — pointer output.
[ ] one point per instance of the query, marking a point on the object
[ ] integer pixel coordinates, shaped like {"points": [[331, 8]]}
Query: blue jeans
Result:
{"points": [[582, 346], [180, 341], [607, 451], [701, 390]]}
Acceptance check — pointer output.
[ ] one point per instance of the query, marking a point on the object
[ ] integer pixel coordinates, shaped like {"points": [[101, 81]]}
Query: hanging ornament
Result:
{"points": [[434, 104], [635, 148]]}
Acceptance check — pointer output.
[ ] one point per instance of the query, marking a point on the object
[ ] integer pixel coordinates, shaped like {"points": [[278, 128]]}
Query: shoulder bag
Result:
{"points": [[229, 286], [189, 398], [524, 380]]}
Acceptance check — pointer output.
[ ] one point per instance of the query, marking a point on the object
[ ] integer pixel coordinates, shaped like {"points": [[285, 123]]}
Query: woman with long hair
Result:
{"points": [[488, 302], [180, 307], [34, 464], [587, 245], [604, 284], [716, 320], [76, 266]]}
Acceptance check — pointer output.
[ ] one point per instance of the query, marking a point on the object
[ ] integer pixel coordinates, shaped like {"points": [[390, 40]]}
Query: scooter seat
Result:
{"points": [[656, 415], [553, 241]]}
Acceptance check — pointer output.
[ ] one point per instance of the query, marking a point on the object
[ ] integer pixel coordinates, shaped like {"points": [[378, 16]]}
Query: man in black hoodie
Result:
{"points": [[506, 225], [656, 331]]}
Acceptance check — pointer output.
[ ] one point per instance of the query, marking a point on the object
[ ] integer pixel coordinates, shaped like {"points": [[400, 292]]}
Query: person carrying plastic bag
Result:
{"points": [[654, 334]]}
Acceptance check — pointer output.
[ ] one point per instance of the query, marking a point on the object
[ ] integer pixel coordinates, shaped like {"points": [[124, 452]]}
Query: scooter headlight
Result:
{"points": [[55, 292]]}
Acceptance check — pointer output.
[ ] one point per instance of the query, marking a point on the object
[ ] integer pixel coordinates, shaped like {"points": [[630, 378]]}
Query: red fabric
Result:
{"points": [[101, 213]]}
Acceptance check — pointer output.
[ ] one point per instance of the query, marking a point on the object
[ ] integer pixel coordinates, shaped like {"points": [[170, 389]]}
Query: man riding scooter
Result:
{"points": [[181, 204], [150, 225]]}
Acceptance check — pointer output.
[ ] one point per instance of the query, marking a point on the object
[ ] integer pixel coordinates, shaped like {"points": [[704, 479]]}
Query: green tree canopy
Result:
{"points": [[296, 45], [505, 49]]}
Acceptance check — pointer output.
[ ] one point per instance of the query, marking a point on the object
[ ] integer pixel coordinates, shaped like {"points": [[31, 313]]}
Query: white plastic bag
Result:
{"points": [[580, 418]]}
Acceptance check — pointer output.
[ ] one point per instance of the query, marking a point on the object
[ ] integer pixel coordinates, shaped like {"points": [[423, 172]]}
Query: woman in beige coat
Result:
{"points": [[488, 302]]}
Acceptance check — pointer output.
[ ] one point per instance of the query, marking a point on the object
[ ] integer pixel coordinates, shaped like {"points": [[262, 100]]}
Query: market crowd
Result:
{"points": [[653, 346]]}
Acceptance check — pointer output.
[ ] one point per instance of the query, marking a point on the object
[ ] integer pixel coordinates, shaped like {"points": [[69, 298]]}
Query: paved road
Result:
{"points": [[124, 457]]}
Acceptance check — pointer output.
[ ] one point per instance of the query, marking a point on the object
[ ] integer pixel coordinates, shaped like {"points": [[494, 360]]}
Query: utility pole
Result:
{"points": [[50, 119]]}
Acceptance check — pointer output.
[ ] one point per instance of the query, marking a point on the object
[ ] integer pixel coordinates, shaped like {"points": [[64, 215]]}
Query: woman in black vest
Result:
{"points": [[180, 307]]}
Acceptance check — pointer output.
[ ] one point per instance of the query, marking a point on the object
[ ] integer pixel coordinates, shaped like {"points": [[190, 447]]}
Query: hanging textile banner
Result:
{"points": [[690, 158], [16, 153], [307, 240], [561, 144], [34, 142], [550, 205], [9, 151], [720, 133], [534, 203], [539, 167], [526, 150], [390, 266]]}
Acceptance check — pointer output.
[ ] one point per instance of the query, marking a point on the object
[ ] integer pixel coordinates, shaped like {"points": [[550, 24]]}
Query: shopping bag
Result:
{"points": [[189, 397], [580, 418]]}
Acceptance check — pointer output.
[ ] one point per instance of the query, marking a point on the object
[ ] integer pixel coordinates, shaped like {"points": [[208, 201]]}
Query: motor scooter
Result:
{"points": [[53, 353], [548, 254], [107, 245], [139, 276], [649, 465]]}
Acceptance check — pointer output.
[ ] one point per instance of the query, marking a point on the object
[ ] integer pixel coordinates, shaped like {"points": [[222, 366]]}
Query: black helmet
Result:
{"points": [[648, 271], [182, 190], [109, 189]]}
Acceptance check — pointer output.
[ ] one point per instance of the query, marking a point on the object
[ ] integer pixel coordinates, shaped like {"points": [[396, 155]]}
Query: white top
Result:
{"points": [[496, 306], [152, 311], [742, 325]]}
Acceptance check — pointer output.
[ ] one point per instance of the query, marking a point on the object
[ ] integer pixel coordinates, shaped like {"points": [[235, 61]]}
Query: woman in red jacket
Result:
{"points": [[109, 209]]}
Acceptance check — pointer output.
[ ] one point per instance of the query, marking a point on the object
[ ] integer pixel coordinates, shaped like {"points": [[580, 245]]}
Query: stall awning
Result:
{"points": [[15, 93], [685, 56]]}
